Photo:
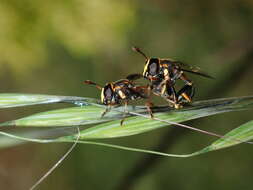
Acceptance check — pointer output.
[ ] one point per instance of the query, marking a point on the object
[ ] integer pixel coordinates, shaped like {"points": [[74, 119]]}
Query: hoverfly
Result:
{"points": [[167, 91], [163, 74], [121, 92]]}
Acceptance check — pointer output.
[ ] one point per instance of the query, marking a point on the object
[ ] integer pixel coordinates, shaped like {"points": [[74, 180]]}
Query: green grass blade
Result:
{"points": [[7, 141], [136, 125], [12, 137], [73, 116], [243, 133], [8, 100], [15, 139], [91, 114]]}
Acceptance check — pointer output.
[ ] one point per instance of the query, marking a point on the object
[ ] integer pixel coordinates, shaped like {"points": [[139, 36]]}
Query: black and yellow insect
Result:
{"points": [[163, 74], [121, 92]]}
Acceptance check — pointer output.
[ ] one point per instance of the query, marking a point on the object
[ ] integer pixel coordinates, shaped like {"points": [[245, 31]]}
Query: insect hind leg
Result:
{"points": [[186, 93], [187, 81], [171, 96]]}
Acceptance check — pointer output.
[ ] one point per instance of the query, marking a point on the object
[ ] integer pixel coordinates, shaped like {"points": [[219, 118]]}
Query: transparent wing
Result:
{"points": [[135, 76], [187, 68]]}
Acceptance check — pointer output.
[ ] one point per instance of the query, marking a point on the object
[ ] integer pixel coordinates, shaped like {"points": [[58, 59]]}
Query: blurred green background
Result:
{"points": [[50, 47]]}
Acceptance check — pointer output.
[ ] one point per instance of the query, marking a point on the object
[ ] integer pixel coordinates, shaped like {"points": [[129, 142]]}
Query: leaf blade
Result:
{"points": [[245, 134], [9, 100], [137, 125], [74, 116]]}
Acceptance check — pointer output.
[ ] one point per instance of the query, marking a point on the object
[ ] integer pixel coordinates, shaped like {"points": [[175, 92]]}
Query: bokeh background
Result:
{"points": [[50, 47]]}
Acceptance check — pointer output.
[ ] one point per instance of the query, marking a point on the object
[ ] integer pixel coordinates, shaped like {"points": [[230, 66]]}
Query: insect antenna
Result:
{"points": [[139, 51], [93, 83]]}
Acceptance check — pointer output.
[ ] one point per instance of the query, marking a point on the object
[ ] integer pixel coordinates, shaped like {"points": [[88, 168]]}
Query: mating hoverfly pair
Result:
{"points": [[162, 75]]}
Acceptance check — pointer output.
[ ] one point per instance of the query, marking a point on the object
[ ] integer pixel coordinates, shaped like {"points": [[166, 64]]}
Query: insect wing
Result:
{"points": [[200, 73], [187, 68], [133, 77]]}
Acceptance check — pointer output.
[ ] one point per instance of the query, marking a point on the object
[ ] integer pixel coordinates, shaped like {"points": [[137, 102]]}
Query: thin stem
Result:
{"points": [[96, 143], [57, 163], [180, 125], [191, 128]]}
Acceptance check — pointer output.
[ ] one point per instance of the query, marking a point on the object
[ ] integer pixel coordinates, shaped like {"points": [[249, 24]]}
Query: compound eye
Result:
{"points": [[108, 93], [153, 66]]}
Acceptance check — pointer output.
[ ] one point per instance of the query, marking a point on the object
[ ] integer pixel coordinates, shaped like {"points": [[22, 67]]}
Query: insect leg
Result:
{"points": [[170, 95], [124, 114], [108, 108], [174, 94], [163, 85], [175, 101], [149, 89], [186, 93], [187, 81], [149, 104]]}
